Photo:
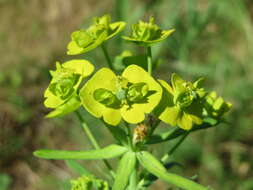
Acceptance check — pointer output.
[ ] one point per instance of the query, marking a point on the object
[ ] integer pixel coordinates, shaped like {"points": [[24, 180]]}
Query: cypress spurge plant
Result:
{"points": [[131, 105]]}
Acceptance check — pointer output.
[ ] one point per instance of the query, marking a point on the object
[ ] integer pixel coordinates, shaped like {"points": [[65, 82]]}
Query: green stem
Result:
{"points": [[107, 57], [175, 133], [92, 139], [129, 135], [172, 150], [154, 126], [133, 180], [149, 60]]}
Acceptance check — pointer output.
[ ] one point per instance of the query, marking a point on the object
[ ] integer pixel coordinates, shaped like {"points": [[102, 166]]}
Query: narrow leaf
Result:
{"points": [[125, 169], [104, 153], [149, 162], [75, 166]]}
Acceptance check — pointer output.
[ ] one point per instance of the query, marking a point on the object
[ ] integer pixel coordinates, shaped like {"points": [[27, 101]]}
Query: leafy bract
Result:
{"points": [[61, 93], [182, 103], [216, 106], [129, 96], [89, 182], [101, 30], [147, 34], [110, 151]]}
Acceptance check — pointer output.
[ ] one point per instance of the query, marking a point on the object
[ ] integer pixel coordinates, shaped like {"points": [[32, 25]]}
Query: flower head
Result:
{"points": [[85, 40], [128, 96], [61, 93], [181, 103], [215, 106], [89, 182], [147, 33]]}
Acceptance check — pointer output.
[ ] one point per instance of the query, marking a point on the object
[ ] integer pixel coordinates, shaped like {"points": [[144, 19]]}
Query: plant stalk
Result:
{"points": [[107, 57], [129, 136], [133, 180], [173, 149], [92, 139], [149, 59]]}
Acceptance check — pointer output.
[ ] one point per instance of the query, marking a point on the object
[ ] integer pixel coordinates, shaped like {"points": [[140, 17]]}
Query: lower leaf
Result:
{"points": [[104, 153], [125, 169], [149, 162]]}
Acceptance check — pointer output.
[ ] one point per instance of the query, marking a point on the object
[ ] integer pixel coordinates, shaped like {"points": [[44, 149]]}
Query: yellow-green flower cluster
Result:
{"points": [[147, 33], [89, 183], [85, 40], [216, 106], [129, 96], [184, 103], [181, 105], [134, 93], [61, 93]]}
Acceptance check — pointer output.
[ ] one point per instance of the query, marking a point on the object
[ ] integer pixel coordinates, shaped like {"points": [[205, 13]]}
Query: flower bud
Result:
{"points": [[140, 133]]}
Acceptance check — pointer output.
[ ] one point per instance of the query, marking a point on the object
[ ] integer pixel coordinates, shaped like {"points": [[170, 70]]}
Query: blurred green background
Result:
{"points": [[213, 39]]}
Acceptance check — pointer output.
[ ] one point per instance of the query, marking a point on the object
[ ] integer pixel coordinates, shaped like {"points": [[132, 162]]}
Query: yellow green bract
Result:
{"points": [[61, 93], [89, 183], [129, 96], [181, 104], [85, 40], [216, 106], [147, 33]]}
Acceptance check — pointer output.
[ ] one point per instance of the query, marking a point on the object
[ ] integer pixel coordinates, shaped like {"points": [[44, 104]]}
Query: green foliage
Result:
{"points": [[110, 151], [78, 168], [125, 168], [149, 162]]}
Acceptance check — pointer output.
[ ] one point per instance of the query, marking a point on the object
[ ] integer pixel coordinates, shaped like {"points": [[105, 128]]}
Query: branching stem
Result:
{"points": [[172, 150], [107, 57], [92, 140]]}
